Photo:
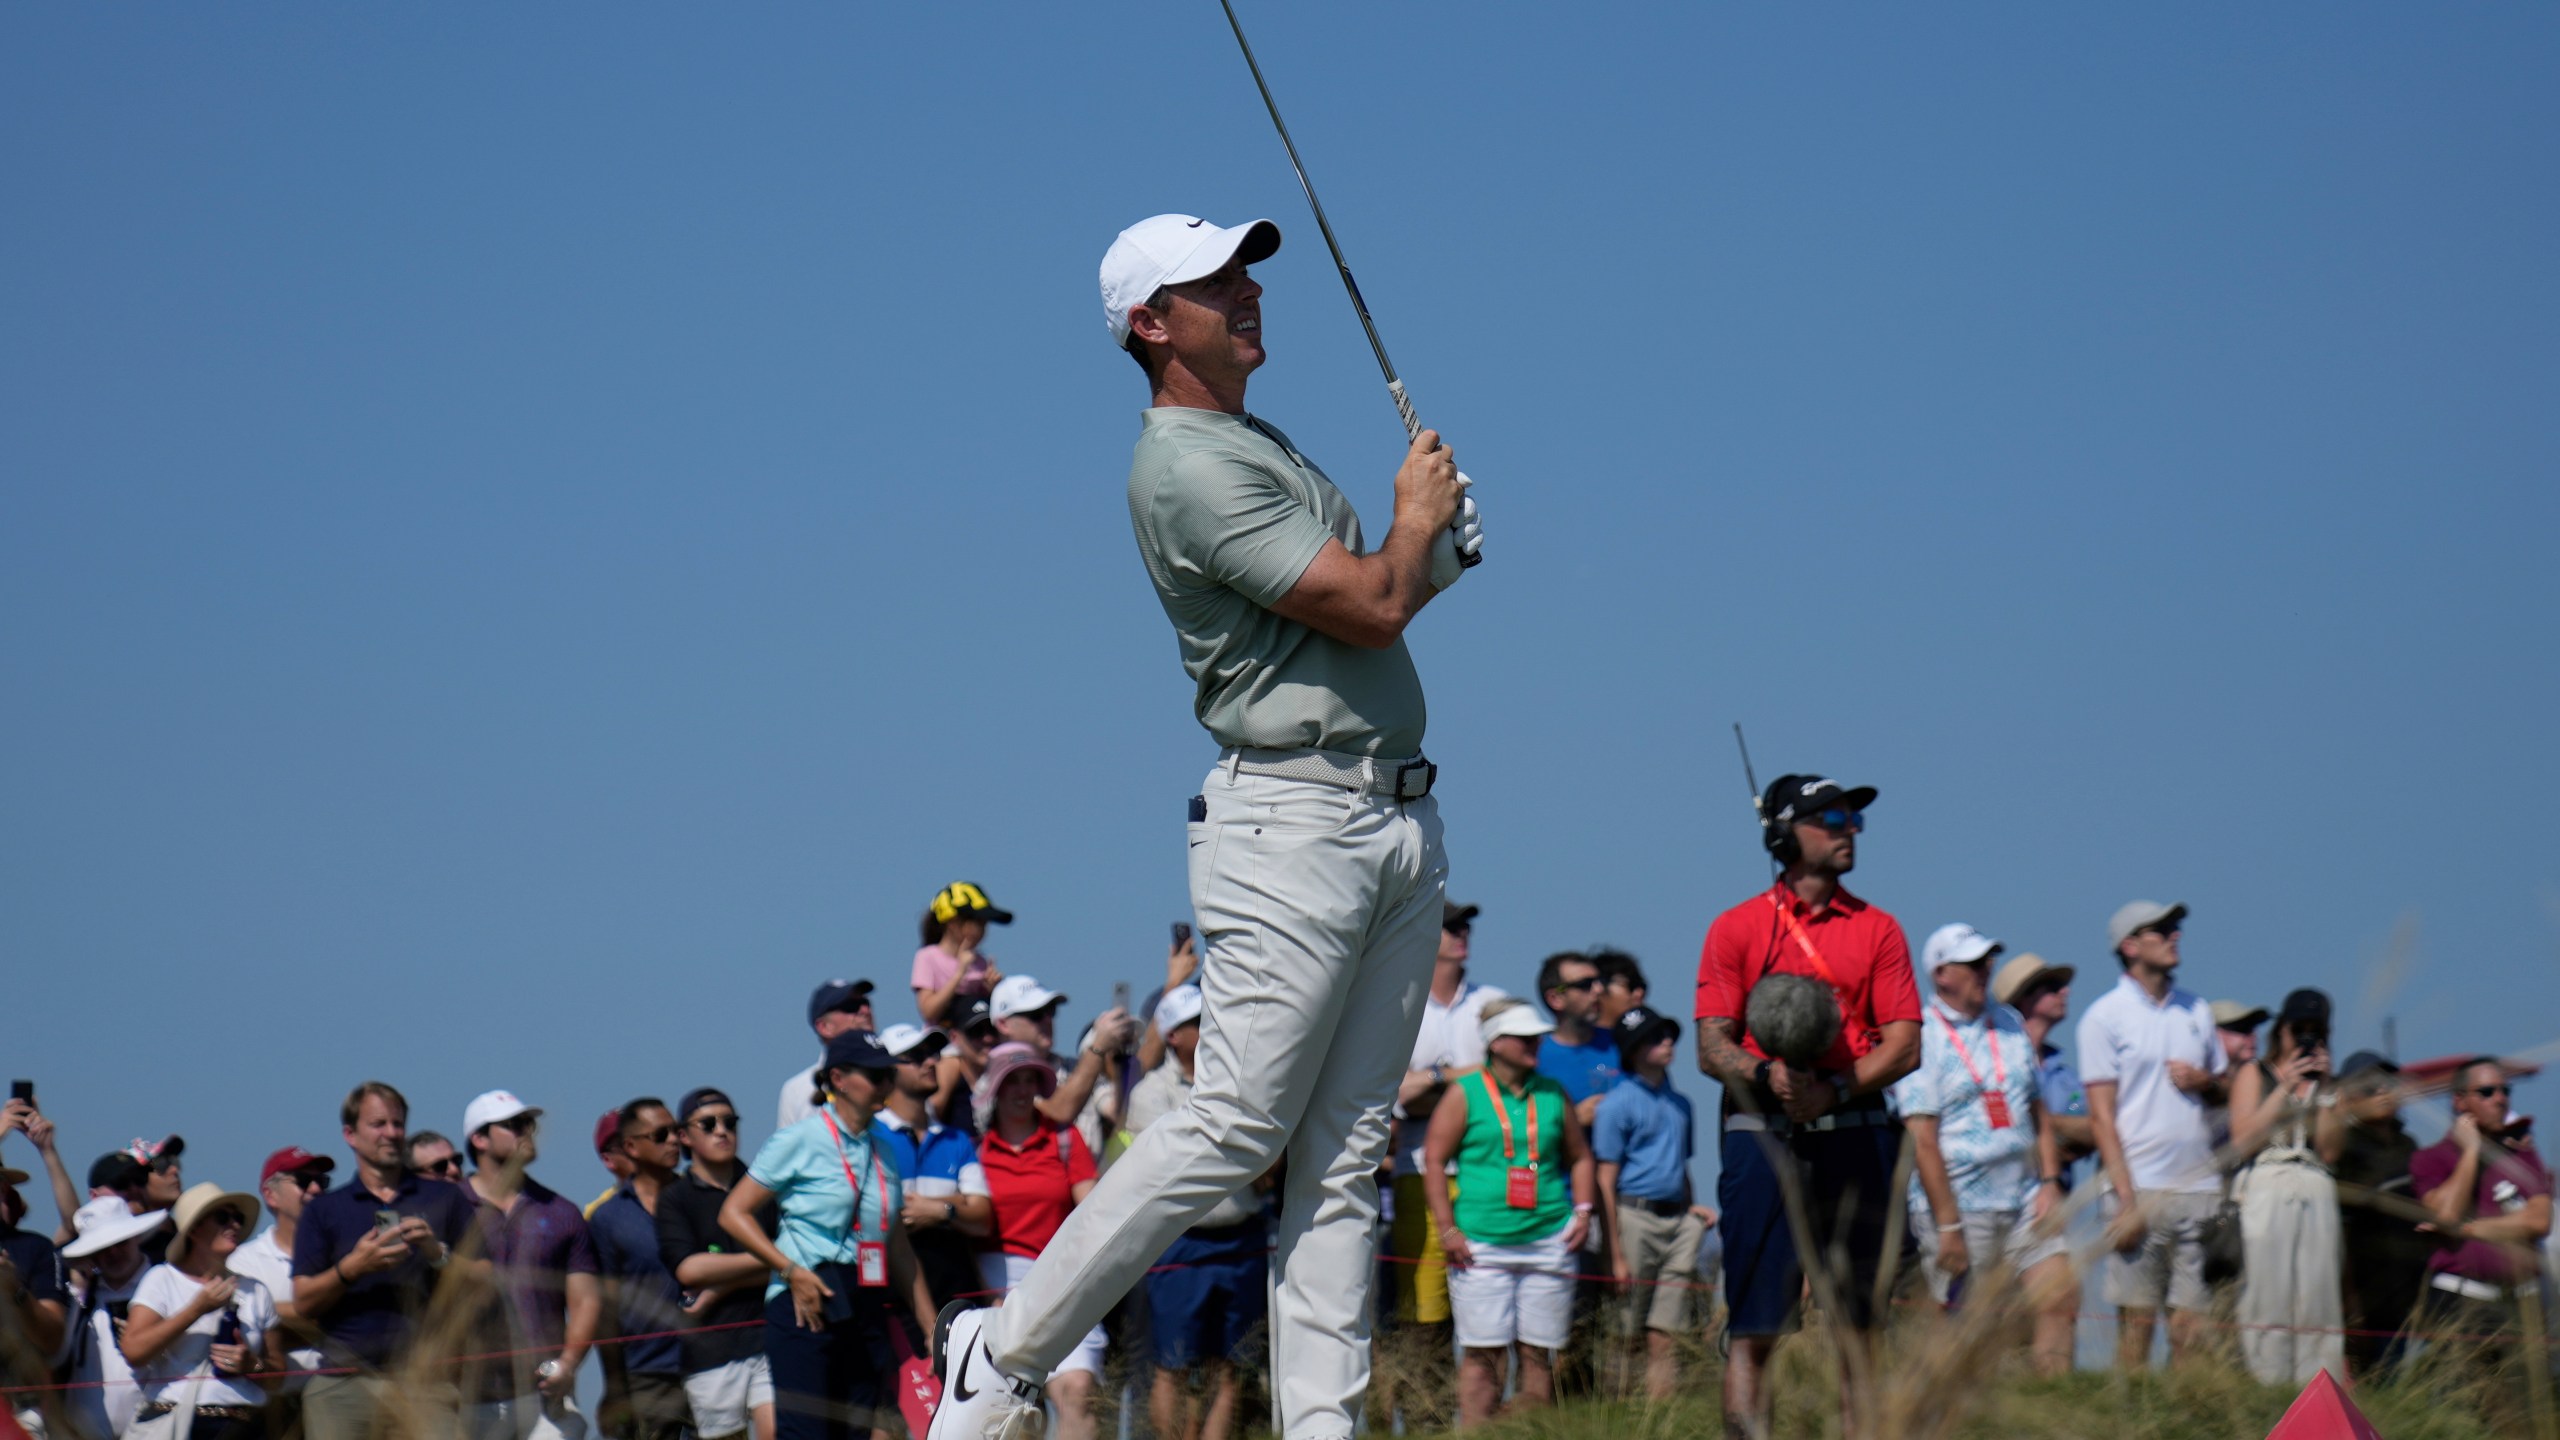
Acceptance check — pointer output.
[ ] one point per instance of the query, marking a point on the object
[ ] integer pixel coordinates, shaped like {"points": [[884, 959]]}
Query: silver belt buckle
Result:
{"points": [[1405, 789]]}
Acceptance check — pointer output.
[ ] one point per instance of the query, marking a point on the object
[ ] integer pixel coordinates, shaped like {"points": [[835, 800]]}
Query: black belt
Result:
{"points": [[1667, 1209], [205, 1412]]}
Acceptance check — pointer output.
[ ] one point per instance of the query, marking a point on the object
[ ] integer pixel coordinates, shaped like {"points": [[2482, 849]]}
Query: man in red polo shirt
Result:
{"points": [[1826, 1123]]}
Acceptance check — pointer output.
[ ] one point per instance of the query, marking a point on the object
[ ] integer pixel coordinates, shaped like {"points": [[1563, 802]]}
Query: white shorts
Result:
{"points": [[2169, 1268], [1003, 1272], [725, 1397], [1515, 1292], [1991, 1237]]}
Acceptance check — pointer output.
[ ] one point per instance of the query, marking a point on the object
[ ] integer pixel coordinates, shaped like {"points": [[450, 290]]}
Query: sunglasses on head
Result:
{"points": [[1837, 820], [711, 1124]]}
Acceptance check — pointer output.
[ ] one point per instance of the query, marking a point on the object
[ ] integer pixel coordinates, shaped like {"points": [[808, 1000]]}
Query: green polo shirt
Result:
{"points": [[1228, 515]]}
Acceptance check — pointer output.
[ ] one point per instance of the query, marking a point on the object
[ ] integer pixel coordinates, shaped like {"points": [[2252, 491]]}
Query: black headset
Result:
{"points": [[1778, 836]]}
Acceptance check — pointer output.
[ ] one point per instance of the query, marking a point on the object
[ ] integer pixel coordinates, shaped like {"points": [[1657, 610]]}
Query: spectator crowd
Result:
{"points": [[1918, 1128]]}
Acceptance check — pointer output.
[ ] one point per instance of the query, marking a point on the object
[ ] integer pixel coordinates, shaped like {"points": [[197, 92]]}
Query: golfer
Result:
{"points": [[1316, 868]]}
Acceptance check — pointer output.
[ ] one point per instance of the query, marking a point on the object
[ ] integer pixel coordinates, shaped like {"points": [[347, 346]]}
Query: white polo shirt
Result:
{"points": [[2128, 1039], [1451, 1036]]}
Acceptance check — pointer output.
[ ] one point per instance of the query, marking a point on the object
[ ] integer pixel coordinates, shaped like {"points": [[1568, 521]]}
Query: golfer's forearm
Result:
{"points": [[1896, 1055], [1723, 1057], [1364, 600]]}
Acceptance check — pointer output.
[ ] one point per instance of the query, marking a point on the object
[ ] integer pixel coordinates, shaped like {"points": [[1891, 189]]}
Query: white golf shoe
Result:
{"points": [[979, 1401]]}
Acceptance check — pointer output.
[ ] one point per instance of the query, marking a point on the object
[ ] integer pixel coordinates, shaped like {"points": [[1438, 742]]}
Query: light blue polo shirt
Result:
{"points": [[801, 1167], [1647, 1131]]}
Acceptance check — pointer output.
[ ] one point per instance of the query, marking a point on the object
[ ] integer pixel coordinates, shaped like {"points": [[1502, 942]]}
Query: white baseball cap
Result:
{"points": [[1168, 250], [491, 1108], [1020, 995], [1179, 1007], [1957, 944], [2141, 915], [1513, 1017], [912, 1042]]}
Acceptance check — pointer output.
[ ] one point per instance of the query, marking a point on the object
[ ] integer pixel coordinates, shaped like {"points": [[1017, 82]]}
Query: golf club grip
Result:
{"points": [[1404, 407]]}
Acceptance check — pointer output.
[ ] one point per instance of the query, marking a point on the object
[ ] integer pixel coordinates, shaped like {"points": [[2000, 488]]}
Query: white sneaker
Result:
{"points": [[979, 1401]]}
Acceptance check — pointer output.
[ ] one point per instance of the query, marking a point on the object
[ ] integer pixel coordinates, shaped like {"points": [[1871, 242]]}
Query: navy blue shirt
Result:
{"points": [[626, 1239], [39, 1265], [376, 1315]]}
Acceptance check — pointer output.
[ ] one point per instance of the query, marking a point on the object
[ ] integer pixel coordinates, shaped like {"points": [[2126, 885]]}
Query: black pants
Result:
{"points": [[827, 1383]]}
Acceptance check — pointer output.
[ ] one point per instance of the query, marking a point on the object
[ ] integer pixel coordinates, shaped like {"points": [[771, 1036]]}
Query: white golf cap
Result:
{"points": [[1167, 250], [2141, 915], [491, 1108], [912, 1042], [1020, 995], [1957, 944], [107, 1220], [1513, 1017], [1180, 1006]]}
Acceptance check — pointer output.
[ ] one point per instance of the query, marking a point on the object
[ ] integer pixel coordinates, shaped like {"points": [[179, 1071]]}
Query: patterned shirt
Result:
{"points": [[1989, 1168], [2062, 1094]]}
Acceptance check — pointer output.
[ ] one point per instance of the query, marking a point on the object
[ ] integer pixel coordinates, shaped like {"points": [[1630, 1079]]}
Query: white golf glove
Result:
{"points": [[1461, 545]]}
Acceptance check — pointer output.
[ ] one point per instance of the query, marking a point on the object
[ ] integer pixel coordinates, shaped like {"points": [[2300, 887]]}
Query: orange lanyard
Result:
{"points": [[877, 1173], [1528, 1102], [1804, 942], [1999, 1065]]}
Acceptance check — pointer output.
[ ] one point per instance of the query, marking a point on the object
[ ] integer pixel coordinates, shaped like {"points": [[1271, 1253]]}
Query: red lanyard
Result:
{"points": [[1804, 942], [1529, 1103], [877, 1173], [1999, 1065]]}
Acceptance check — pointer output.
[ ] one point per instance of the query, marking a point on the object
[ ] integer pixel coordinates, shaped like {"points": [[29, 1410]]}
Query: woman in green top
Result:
{"points": [[1523, 1206]]}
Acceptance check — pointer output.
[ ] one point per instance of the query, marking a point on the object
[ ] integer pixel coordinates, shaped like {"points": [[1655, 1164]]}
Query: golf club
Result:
{"points": [[1386, 367]]}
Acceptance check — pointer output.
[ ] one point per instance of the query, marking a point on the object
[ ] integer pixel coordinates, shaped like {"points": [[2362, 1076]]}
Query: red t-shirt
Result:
{"points": [[1870, 965], [1032, 1186]]}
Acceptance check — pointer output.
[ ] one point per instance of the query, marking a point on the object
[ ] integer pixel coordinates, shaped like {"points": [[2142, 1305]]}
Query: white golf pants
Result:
{"points": [[1319, 911]]}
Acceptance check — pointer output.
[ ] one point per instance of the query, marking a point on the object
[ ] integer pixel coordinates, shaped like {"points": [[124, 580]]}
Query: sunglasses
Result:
{"points": [[521, 1124], [449, 1165], [2492, 1092], [228, 1216], [1587, 982], [309, 1180], [1837, 820], [658, 1136], [712, 1124]]}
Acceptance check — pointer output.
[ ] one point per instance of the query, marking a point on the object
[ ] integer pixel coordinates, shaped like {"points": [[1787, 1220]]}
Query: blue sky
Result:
{"points": [[535, 535]]}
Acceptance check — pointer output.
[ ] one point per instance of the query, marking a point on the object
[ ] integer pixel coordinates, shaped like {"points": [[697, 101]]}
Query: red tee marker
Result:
{"points": [[2323, 1412]]}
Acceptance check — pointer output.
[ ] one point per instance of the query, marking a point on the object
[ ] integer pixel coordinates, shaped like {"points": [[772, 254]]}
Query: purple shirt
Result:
{"points": [[535, 1248], [2508, 1178]]}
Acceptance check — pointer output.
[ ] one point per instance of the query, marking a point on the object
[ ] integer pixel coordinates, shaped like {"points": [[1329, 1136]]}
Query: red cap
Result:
{"points": [[293, 1157], [608, 1130]]}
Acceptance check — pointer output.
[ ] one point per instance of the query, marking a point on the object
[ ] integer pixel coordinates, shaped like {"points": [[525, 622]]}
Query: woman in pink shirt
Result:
{"points": [[949, 966]]}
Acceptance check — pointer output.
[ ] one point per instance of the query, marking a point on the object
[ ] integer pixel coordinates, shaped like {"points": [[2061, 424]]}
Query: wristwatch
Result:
{"points": [[1760, 1074]]}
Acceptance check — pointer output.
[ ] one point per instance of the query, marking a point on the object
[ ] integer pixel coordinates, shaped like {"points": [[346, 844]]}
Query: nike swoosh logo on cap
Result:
{"points": [[1196, 224]]}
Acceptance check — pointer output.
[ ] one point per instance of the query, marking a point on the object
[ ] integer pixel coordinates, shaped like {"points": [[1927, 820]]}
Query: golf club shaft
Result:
{"points": [[1395, 387]]}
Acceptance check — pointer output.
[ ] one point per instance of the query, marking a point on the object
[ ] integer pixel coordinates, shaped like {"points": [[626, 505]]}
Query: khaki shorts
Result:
{"points": [[1421, 1267], [1662, 1263], [1991, 1238], [725, 1397], [2169, 1268]]}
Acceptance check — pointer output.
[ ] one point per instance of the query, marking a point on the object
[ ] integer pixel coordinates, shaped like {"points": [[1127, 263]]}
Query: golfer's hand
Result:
{"points": [[1468, 528], [1953, 1258], [809, 1298], [1427, 487], [1454, 1246], [2192, 1079]]}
